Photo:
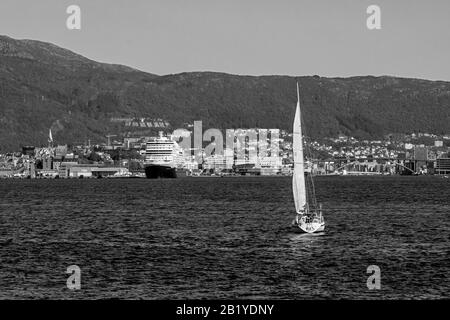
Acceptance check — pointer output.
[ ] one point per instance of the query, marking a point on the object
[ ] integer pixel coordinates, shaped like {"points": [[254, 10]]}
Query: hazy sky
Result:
{"points": [[255, 37]]}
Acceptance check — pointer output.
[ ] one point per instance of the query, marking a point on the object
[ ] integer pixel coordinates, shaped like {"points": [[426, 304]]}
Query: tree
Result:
{"points": [[94, 157]]}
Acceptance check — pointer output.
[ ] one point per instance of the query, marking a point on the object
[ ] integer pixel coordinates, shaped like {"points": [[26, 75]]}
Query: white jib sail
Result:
{"points": [[298, 179]]}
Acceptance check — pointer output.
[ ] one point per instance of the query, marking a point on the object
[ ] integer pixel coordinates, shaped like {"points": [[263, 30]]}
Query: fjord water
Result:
{"points": [[223, 238]]}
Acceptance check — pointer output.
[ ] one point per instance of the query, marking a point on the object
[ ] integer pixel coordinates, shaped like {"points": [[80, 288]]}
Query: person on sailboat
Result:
{"points": [[296, 220], [300, 213]]}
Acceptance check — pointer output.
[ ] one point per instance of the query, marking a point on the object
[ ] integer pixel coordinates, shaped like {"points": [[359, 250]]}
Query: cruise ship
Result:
{"points": [[163, 158]]}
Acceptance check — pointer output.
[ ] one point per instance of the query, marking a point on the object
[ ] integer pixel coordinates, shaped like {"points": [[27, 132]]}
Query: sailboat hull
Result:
{"points": [[307, 226], [312, 227]]}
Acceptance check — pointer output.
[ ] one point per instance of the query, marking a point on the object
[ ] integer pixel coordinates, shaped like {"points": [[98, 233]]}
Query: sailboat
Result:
{"points": [[308, 214]]}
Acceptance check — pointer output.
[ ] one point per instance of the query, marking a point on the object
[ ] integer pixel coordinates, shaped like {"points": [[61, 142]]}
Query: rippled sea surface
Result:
{"points": [[201, 238]]}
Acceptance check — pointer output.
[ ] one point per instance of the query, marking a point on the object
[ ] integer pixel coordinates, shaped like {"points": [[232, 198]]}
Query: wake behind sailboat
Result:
{"points": [[309, 216]]}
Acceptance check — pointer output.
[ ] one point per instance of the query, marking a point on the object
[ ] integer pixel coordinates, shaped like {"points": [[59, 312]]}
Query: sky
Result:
{"points": [[247, 37]]}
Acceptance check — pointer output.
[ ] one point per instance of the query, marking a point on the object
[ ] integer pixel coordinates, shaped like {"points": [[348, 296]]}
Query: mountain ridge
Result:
{"points": [[44, 86]]}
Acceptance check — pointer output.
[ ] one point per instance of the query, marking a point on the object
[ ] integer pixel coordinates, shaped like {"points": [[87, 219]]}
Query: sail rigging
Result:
{"points": [[311, 199]]}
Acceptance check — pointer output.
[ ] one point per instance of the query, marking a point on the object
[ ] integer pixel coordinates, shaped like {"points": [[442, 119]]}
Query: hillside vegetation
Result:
{"points": [[43, 86]]}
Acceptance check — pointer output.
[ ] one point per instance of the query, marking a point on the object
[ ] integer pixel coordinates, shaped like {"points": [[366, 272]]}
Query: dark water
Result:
{"points": [[223, 238]]}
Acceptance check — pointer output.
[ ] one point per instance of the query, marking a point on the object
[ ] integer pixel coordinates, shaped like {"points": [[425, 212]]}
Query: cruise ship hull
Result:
{"points": [[153, 171]]}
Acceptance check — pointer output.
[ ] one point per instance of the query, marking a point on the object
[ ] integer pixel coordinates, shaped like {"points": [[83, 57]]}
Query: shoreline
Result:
{"points": [[380, 176]]}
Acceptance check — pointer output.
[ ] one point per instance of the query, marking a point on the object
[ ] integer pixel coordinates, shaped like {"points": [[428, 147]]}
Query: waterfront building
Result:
{"points": [[64, 168], [129, 143], [86, 171], [47, 163], [6, 172], [217, 162], [270, 162], [443, 166], [191, 165]]}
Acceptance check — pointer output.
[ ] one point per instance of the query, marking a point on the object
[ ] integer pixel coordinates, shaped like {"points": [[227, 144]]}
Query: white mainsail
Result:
{"points": [[298, 179]]}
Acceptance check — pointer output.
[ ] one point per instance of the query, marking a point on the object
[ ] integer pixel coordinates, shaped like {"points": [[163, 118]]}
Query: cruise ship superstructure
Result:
{"points": [[163, 158]]}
